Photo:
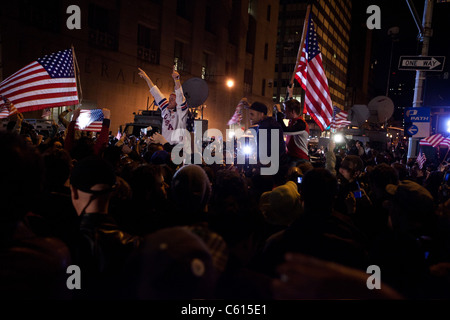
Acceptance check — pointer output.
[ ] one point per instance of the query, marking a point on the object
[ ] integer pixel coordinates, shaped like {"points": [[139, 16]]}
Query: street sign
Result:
{"points": [[417, 122], [414, 63]]}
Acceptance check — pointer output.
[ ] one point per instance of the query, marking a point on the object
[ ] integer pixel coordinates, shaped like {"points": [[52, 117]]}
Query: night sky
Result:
{"points": [[396, 13]]}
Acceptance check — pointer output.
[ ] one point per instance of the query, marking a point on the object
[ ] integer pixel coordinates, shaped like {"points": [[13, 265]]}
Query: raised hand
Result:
{"points": [[144, 76], [106, 113]]}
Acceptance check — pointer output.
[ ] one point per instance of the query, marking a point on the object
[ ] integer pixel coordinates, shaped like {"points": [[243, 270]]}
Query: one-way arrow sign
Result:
{"points": [[421, 63]]}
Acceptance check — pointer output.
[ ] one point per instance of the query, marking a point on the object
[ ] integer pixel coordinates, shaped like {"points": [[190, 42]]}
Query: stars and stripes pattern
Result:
{"points": [[434, 140], [421, 159], [45, 83], [90, 120], [339, 119], [311, 76]]}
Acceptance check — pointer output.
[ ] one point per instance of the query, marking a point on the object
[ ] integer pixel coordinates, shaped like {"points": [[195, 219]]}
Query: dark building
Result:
{"points": [[212, 40]]}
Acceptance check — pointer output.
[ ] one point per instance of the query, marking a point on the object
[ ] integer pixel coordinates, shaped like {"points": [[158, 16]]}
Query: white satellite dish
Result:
{"points": [[358, 114], [381, 109]]}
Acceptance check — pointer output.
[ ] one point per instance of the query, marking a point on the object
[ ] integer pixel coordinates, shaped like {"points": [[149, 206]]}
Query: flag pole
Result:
{"points": [[302, 42], [76, 70]]}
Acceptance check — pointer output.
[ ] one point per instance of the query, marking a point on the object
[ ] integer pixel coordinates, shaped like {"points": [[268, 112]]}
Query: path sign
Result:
{"points": [[417, 122], [420, 63]]}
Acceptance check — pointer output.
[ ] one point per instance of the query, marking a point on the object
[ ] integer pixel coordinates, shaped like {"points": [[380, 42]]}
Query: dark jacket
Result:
{"points": [[103, 250]]}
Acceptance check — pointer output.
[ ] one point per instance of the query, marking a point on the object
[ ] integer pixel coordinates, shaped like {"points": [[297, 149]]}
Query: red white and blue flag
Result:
{"points": [[90, 120], [310, 74], [434, 140], [421, 159], [339, 119], [45, 83]]}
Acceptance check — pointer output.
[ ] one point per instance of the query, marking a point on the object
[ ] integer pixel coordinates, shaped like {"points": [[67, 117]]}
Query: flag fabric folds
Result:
{"points": [[445, 143], [310, 74], [339, 119], [45, 83], [434, 140], [237, 116], [90, 120], [421, 159]]}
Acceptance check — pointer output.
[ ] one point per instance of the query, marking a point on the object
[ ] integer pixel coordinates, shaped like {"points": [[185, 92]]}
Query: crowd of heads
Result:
{"points": [[214, 231]]}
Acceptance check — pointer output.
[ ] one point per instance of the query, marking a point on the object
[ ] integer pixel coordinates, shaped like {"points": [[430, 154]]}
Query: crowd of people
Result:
{"points": [[139, 226]]}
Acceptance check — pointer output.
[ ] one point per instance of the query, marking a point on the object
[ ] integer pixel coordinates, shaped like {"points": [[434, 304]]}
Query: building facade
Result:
{"points": [[211, 40]]}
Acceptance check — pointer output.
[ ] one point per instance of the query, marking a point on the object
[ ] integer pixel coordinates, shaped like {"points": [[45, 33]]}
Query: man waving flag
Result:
{"points": [[311, 76]]}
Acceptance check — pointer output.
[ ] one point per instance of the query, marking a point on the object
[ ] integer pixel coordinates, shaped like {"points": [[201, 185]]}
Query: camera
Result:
{"points": [[357, 194], [299, 179]]}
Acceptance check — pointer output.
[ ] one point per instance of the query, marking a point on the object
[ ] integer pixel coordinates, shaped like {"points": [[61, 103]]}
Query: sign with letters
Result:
{"points": [[417, 122], [420, 63]]}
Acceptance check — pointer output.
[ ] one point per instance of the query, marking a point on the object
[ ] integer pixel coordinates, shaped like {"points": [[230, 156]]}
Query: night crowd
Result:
{"points": [[139, 226]]}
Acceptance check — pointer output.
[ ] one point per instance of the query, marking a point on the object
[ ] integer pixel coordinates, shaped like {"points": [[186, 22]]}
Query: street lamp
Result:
{"points": [[230, 83]]}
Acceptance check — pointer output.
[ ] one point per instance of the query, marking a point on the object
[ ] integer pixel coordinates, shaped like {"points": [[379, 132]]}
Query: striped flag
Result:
{"points": [[339, 119], [311, 76], [237, 116], [433, 140], [7, 108], [445, 143], [90, 120], [421, 159], [47, 82]]}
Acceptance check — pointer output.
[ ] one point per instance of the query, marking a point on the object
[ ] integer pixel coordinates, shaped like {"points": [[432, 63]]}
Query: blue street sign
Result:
{"points": [[417, 122], [412, 130]]}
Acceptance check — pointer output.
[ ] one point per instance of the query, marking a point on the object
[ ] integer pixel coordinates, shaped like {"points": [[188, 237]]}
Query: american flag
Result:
{"points": [[421, 159], [339, 119], [445, 143], [90, 120], [237, 116], [433, 140], [47, 82], [311, 76], [7, 108]]}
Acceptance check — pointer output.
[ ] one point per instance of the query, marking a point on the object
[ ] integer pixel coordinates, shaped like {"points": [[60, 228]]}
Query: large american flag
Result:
{"points": [[90, 120], [47, 82], [339, 119], [311, 76]]}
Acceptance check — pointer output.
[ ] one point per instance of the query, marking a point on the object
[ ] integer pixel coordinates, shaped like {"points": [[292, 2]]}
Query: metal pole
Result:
{"points": [[420, 75]]}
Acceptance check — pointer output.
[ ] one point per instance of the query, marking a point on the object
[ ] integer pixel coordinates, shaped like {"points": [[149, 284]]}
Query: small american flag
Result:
{"points": [[237, 116], [311, 76], [7, 108], [90, 120], [421, 159], [339, 119], [47, 82]]}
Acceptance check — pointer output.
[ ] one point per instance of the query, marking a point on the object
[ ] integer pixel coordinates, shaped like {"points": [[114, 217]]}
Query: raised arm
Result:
{"points": [[144, 76], [180, 99]]}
